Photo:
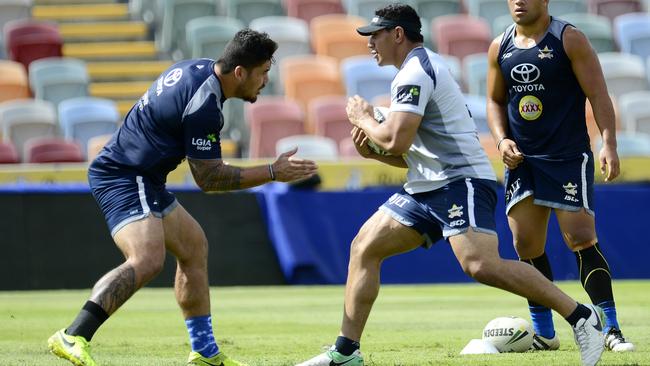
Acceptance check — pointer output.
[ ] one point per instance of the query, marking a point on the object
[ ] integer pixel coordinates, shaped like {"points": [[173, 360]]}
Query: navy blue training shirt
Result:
{"points": [[546, 106], [180, 115]]}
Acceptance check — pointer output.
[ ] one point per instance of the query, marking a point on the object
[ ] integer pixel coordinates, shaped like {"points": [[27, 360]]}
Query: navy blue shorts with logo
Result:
{"points": [[567, 184], [446, 211], [125, 196]]}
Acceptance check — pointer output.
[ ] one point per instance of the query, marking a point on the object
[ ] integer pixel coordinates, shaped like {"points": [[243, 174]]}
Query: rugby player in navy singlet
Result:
{"points": [[541, 69]]}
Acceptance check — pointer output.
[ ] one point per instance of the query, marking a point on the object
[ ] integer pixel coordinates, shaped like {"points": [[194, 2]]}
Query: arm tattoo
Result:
{"points": [[212, 175], [117, 286]]}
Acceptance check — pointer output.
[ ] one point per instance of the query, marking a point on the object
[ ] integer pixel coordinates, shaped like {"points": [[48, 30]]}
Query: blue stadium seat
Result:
{"points": [[475, 73], [634, 109], [81, 119], [247, 10], [176, 14], [207, 36], [58, 78], [362, 76], [597, 28], [633, 33]]}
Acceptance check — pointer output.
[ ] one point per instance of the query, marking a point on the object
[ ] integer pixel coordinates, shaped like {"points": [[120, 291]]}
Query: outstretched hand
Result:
{"points": [[288, 168]]}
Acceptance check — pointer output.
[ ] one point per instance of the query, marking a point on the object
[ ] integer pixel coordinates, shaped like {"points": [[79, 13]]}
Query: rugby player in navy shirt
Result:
{"points": [[541, 71], [179, 117]]}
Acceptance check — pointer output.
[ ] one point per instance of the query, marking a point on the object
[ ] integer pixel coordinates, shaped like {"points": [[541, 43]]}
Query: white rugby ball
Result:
{"points": [[509, 334], [380, 114]]}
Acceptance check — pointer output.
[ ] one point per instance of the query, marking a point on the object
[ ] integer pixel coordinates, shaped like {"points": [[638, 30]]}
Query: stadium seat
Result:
{"points": [[309, 147], [488, 10], [308, 9], [81, 119], [475, 73], [632, 32], [461, 35], [634, 110], [292, 36], [613, 8], [58, 78], [631, 144], [176, 14], [310, 76], [500, 24], [454, 65], [247, 10], [95, 145], [27, 40], [597, 28], [559, 8], [362, 76], [206, 37], [23, 119], [336, 35], [366, 8], [477, 106], [623, 72], [329, 117], [347, 149], [14, 10], [270, 119], [13, 81], [8, 154], [52, 150], [430, 9]]}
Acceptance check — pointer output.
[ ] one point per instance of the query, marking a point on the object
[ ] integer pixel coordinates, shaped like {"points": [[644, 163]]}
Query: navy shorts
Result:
{"points": [[447, 211], [567, 184], [125, 196]]}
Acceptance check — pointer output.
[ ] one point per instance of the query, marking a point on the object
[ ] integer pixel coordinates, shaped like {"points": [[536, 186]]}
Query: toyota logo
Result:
{"points": [[525, 73]]}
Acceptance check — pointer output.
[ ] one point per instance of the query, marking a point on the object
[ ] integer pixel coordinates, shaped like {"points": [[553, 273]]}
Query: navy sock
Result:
{"points": [[346, 346], [581, 312], [201, 336], [90, 318], [541, 316]]}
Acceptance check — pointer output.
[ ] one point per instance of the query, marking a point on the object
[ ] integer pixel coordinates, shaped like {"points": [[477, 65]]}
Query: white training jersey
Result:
{"points": [[446, 146]]}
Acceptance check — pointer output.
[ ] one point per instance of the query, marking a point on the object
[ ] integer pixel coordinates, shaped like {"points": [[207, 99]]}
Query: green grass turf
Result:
{"points": [[410, 325]]}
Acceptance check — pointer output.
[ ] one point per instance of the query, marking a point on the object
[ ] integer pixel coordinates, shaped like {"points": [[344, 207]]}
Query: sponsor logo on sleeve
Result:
{"points": [[204, 144], [407, 94]]}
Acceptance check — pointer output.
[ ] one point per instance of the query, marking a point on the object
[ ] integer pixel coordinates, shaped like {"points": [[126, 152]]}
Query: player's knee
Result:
{"points": [[527, 249], [149, 265], [579, 238], [479, 268]]}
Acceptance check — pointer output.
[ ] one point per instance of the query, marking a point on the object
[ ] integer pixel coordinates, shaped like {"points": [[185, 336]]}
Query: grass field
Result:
{"points": [[410, 325]]}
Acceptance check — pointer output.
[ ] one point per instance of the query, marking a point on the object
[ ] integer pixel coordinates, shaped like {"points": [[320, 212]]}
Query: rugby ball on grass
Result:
{"points": [[509, 334]]}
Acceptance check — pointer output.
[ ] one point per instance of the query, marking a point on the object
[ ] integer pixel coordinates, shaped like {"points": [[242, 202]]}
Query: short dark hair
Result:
{"points": [[403, 12], [248, 49]]}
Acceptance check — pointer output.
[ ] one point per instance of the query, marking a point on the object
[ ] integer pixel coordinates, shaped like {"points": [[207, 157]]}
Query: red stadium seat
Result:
{"points": [[28, 40], [461, 35], [52, 150], [347, 149], [8, 154], [270, 119], [308, 9], [613, 8], [329, 117]]}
